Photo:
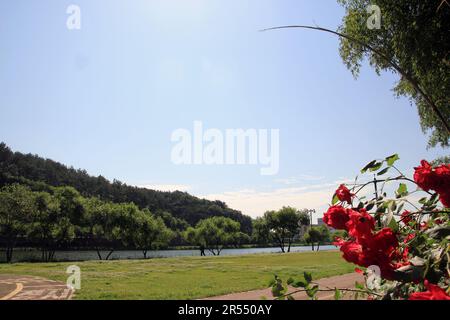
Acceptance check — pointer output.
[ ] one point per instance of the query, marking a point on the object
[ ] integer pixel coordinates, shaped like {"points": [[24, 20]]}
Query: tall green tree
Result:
{"points": [[51, 227], [413, 38], [213, 234], [285, 225], [16, 210], [261, 231], [150, 232], [317, 234]]}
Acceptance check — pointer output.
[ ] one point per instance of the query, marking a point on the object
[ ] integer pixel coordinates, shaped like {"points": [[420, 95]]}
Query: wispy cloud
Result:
{"points": [[254, 203]]}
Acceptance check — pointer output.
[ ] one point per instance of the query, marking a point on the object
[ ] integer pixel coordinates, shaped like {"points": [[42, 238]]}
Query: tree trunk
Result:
{"points": [[289, 246], [145, 253], [109, 254], [98, 254], [312, 246], [318, 245]]}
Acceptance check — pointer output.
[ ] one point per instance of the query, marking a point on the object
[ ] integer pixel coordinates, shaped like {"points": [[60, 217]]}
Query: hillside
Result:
{"points": [[38, 172]]}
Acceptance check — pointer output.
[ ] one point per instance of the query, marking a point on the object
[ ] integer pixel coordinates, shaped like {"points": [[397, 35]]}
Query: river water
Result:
{"points": [[82, 255]]}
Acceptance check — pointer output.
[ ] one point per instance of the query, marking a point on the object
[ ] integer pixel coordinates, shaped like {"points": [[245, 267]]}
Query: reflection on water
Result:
{"points": [[35, 255]]}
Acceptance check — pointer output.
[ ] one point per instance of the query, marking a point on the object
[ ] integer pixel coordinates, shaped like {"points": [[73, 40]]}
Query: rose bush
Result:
{"points": [[410, 247], [406, 236]]}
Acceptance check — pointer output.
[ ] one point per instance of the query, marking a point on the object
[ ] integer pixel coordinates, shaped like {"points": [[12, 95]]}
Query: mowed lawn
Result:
{"points": [[185, 277]]}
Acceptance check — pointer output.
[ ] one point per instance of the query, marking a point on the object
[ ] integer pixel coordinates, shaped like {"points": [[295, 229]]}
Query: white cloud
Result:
{"points": [[254, 203], [166, 187]]}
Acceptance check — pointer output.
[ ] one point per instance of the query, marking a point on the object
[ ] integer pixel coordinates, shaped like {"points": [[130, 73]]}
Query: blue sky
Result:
{"points": [[107, 97]]}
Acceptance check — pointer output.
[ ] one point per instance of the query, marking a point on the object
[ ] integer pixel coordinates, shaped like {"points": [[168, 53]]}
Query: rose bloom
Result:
{"points": [[434, 292], [442, 178], [445, 198], [360, 224], [352, 252], [336, 217], [384, 240], [344, 194], [406, 217], [424, 176]]}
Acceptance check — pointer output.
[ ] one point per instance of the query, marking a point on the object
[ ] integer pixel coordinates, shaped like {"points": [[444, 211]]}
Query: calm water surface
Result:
{"points": [[35, 255]]}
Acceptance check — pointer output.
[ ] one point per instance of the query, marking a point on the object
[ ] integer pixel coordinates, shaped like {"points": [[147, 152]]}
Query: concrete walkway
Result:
{"points": [[13, 287], [346, 281]]}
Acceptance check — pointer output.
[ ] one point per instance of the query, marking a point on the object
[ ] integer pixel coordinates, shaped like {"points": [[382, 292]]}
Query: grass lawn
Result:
{"points": [[185, 277]]}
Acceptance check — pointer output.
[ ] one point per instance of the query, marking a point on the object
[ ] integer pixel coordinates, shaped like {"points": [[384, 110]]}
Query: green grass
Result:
{"points": [[185, 277]]}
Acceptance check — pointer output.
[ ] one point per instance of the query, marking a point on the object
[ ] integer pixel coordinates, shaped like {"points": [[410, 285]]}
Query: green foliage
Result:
{"points": [[214, 233], [317, 234], [284, 225], [55, 220], [414, 35], [43, 174]]}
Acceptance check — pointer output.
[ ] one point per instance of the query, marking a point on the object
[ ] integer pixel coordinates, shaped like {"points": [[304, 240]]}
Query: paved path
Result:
{"points": [[346, 281], [14, 287]]}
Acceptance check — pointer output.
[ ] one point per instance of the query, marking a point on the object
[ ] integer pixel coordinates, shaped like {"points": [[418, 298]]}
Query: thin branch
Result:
{"points": [[393, 64]]}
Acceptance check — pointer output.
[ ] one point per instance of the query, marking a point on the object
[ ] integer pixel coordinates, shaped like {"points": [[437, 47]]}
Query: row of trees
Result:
{"points": [[62, 218], [43, 174]]}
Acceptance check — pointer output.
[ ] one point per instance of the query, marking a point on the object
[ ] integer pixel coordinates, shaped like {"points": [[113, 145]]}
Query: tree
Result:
{"points": [[317, 234], [150, 232], [413, 36], [261, 231], [101, 226], [213, 234], [285, 225], [51, 227], [16, 209]]}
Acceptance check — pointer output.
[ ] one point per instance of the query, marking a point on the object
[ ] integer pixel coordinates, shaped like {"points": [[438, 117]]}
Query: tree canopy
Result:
{"points": [[285, 225], [214, 233], [414, 36]]}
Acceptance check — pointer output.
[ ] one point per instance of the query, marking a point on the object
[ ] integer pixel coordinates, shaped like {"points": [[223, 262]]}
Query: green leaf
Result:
{"points": [[337, 294], [335, 199], [290, 280], [391, 159], [308, 277], [376, 166], [368, 166], [313, 291], [402, 190], [299, 284], [383, 171], [370, 206], [393, 225], [359, 285]]}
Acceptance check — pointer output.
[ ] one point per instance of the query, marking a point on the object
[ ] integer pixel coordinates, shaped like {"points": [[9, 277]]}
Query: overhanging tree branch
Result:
{"points": [[393, 64]]}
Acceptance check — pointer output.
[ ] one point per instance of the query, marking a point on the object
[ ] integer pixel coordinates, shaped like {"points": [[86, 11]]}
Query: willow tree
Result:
{"points": [[413, 41]]}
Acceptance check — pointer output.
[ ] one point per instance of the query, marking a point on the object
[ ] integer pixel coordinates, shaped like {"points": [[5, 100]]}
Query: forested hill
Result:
{"points": [[38, 172]]}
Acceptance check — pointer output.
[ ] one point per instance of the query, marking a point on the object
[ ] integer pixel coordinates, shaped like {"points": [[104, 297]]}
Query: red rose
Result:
{"points": [[406, 217], [434, 292], [442, 174], [384, 240], [344, 194], [336, 217], [444, 197], [352, 252], [424, 176], [360, 224]]}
